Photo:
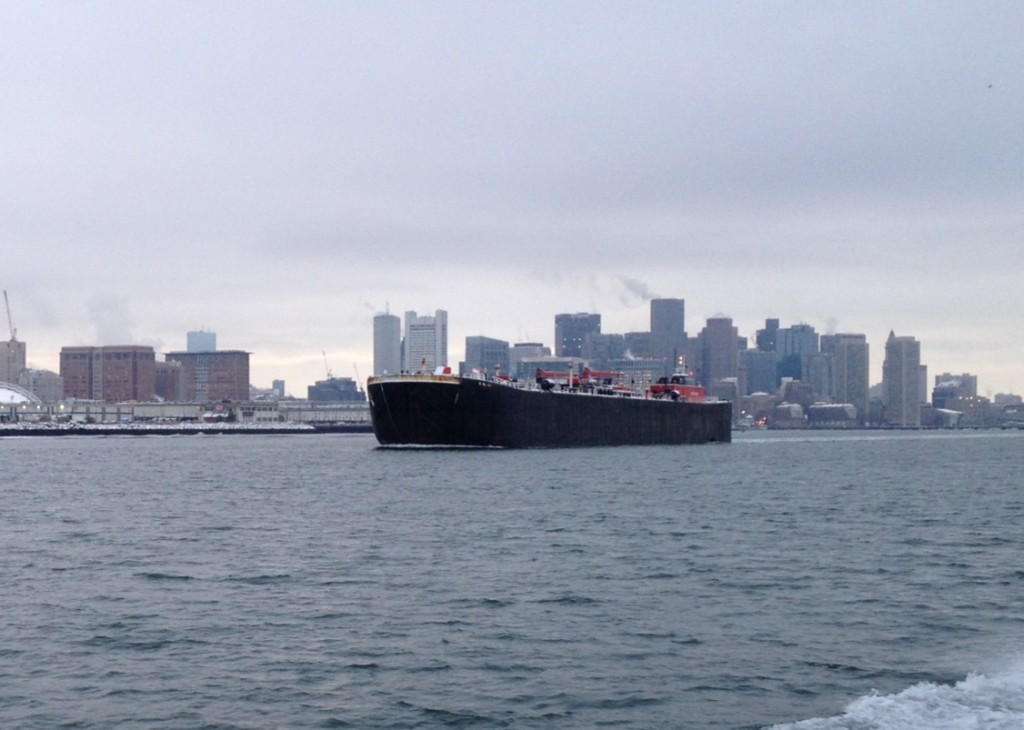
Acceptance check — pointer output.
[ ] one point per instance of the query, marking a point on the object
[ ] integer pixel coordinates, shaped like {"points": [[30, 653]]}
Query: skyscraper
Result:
{"points": [[768, 337], [426, 341], [12, 360], [201, 341], [719, 350], [850, 370], [795, 345], [571, 330], [668, 331], [387, 344], [901, 376], [761, 376]]}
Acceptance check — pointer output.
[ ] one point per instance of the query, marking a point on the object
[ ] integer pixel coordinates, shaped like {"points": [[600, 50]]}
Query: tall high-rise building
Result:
{"points": [[12, 360], [719, 350], [760, 365], [213, 376], [901, 381], [767, 338], [201, 341], [571, 330], [426, 341], [114, 373], [794, 347], [850, 370], [387, 344], [486, 354], [668, 332]]}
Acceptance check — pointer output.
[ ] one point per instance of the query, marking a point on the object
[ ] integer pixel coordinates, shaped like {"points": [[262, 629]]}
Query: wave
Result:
{"points": [[992, 701]]}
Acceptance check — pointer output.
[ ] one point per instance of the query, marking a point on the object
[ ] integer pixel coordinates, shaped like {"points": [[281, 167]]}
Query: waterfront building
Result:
{"points": [[335, 390], [831, 415], [527, 367], [486, 355], [758, 405], [949, 388], [111, 373], [46, 384], [638, 344], [200, 341], [213, 376], [972, 410], [426, 341], [170, 383], [601, 350], [668, 332], [570, 331], [1011, 400], [901, 381], [525, 351], [638, 372], [387, 344], [797, 391]]}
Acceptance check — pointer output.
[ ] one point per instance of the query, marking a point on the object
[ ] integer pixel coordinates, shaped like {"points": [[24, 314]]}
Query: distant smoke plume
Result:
{"points": [[638, 288], [112, 318], [831, 326]]}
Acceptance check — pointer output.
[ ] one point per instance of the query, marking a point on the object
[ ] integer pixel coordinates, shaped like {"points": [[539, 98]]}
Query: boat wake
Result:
{"points": [[991, 701]]}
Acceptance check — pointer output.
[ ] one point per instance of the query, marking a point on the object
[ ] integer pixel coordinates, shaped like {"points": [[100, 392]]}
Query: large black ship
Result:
{"points": [[448, 410]]}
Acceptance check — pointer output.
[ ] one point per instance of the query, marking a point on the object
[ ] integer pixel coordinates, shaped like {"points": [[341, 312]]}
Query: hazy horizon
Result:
{"points": [[279, 173]]}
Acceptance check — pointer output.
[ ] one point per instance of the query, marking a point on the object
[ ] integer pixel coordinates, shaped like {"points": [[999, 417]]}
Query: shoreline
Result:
{"points": [[218, 429]]}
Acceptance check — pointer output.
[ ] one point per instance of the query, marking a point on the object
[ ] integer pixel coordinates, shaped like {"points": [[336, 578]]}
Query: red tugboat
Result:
{"points": [[679, 386]]}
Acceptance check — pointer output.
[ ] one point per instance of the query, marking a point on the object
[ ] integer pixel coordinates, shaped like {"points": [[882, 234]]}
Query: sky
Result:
{"points": [[279, 172]]}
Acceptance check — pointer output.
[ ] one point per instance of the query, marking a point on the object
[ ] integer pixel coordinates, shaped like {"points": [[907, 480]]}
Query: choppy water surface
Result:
{"points": [[847, 581]]}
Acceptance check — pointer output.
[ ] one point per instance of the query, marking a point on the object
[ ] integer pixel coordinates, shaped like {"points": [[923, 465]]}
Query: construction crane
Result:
{"points": [[359, 383], [330, 375], [10, 322]]}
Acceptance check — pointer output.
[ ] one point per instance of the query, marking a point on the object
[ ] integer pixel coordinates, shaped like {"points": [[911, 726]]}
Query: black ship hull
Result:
{"points": [[442, 410]]}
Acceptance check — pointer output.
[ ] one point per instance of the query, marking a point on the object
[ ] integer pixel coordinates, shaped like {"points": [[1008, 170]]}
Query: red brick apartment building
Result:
{"points": [[114, 374], [214, 375]]}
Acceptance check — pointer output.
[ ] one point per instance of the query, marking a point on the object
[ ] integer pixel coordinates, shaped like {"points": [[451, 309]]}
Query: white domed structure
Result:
{"points": [[11, 394]]}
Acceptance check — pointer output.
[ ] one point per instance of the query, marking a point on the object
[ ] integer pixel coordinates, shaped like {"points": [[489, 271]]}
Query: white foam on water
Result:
{"points": [[993, 701]]}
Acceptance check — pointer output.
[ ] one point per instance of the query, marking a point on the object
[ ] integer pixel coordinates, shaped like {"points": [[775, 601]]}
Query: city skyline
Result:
{"points": [[456, 344], [281, 173]]}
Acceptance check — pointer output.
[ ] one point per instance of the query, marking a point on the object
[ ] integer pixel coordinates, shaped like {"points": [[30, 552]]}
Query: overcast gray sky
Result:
{"points": [[279, 172]]}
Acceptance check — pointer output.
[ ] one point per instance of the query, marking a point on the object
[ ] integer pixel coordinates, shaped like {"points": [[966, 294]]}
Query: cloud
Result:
{"points": [[284, 172]]}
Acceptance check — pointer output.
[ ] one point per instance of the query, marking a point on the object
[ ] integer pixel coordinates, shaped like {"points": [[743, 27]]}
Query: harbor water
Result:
{"points": [[813, 581]]}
